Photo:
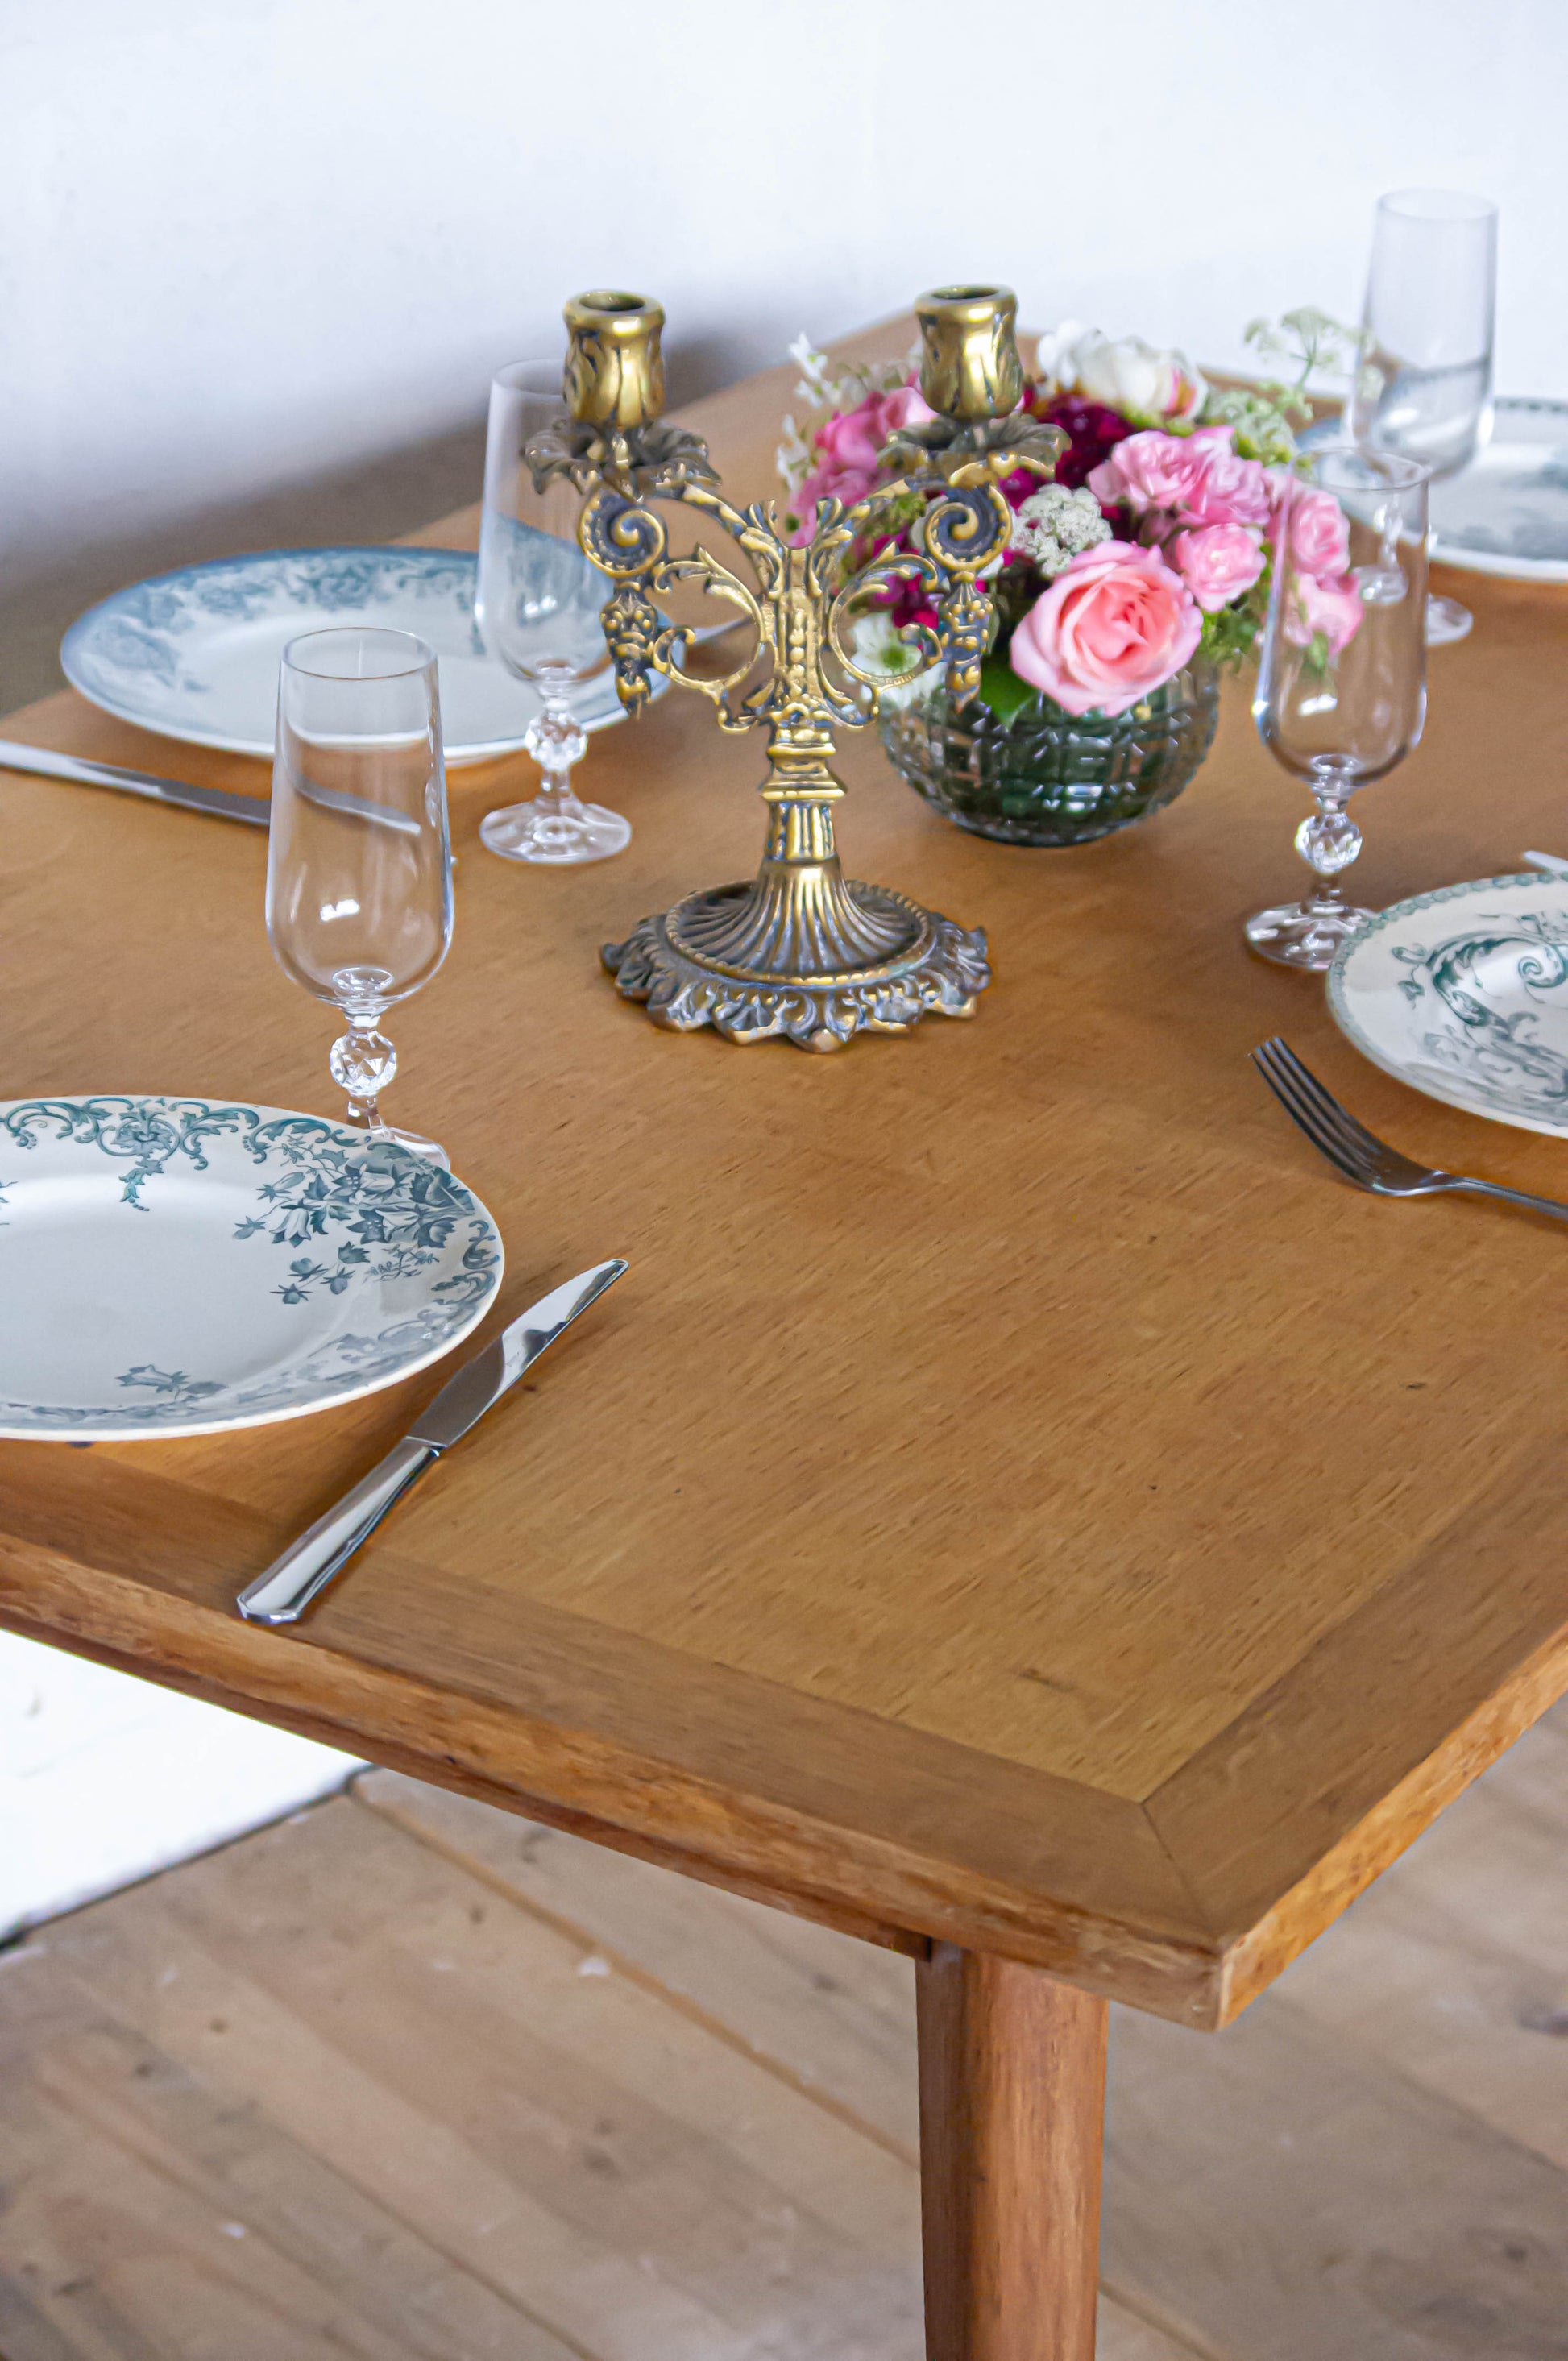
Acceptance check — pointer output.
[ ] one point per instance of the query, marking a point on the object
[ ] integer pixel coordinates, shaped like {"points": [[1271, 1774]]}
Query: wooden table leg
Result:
{"points": [[1011, 2125]]}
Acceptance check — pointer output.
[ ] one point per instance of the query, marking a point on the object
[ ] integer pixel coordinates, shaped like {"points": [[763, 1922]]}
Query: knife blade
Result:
{"points": [[308, 1564], [43, 761]]}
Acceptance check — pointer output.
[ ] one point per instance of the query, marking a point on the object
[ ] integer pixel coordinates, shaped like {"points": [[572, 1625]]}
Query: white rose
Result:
{"points": [[1126, 375], [1056, 363]]}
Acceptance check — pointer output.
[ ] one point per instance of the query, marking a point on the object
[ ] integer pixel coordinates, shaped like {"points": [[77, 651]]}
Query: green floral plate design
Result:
{"points": [[1464, 994], [182, 1266]]}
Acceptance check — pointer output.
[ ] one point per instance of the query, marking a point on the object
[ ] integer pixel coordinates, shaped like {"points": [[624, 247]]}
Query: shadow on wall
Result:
{"points": [[376, 500]]}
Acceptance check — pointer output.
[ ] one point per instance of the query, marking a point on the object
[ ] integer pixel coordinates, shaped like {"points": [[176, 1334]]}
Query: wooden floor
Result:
{"points": [[404, 2077]]}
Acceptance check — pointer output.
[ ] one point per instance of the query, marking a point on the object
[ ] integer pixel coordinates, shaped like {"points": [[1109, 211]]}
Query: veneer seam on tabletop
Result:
{"points": [[624, 1966]]}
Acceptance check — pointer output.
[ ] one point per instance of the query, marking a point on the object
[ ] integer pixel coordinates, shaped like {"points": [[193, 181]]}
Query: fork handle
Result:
{"points": [[1516, 1197]]}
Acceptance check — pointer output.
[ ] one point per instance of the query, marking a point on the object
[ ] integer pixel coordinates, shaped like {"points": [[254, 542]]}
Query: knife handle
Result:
{"points": [[282, 1594]]}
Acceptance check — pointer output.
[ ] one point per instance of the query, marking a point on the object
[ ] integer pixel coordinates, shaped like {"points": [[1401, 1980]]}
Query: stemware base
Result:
{"points": [[555, 829], [388, 1133], [1447, 621], [1302, 934]]}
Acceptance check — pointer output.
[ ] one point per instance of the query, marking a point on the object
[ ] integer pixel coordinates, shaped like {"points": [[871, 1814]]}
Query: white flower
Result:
{"points": [[1053, 524], [881, 648], [1128, 375], [1054, 362]]}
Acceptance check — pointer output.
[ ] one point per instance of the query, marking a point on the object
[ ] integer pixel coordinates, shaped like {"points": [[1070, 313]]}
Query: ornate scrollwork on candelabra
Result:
{"points": [[800, 951]]}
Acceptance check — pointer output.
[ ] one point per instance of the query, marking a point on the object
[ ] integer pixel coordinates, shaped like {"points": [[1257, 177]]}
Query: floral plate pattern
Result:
{"points": [[193, 654], [1506, 512], [1464, 994], [184, 1265]]}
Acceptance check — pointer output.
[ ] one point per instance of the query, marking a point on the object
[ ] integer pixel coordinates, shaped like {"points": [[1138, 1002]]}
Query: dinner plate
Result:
{"points": [[193, 654], [183, 1266], [1506, 512], [1464, 994]]}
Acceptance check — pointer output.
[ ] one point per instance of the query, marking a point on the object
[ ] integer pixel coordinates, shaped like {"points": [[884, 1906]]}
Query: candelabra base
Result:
{"points": [[939, 971]]}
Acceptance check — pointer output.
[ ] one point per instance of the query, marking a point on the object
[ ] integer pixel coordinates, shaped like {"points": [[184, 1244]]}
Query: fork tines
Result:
{"points": [[1332, 1131]]}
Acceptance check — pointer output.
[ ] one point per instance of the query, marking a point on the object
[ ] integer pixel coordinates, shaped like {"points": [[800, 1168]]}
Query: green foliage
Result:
{"points": [[1002, 690], [1228, 636]]}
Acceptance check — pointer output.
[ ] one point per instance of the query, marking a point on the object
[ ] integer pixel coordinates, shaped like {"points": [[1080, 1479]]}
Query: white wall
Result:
{"points": [[243, 239], [103, 1779]]}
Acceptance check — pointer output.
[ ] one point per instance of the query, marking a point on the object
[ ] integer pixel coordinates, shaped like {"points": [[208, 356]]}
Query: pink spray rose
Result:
{"points": [[1217, 562], [1319, 535], [850, 443], [1329, 604], [1153, 470], [1113, 626], [1198, 479]]}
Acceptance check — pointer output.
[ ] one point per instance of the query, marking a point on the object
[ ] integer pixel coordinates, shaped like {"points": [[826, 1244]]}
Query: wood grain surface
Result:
{"points": [[290, 2102], [1012, 2118], [1019, 1498]]}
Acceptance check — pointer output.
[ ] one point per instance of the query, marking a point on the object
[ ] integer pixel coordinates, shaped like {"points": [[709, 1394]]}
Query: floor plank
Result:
{"points": [[574, 2145], [149, 2214], [407, 2080], [835, 2015], [1455, 1967]]}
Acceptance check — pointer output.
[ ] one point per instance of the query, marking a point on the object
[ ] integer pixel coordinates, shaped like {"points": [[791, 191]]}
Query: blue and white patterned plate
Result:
{"points": [[1506, 512], [1464, 994], [193, 654], [183, 1266]]}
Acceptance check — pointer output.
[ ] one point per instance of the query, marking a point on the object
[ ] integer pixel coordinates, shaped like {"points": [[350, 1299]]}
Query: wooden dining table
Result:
{"points": [[1020, 1507]]}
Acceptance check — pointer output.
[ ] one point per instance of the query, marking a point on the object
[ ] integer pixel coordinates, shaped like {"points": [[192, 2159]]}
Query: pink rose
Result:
{"points": [[1198, 479], [851, 442], [1113, 626], [1231, 491], [1320, 534], [1217, 562], [1329, 604], [1153, 470], [827, 483]]}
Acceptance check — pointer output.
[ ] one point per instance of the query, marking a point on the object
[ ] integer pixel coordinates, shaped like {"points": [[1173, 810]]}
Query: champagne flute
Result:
{"points": [[538, 608], [1424, 377], [359, 867], [1342, 686]]}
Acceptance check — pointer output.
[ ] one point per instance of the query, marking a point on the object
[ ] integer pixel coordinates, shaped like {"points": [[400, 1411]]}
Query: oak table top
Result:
{"points": [[1018, 1497]]}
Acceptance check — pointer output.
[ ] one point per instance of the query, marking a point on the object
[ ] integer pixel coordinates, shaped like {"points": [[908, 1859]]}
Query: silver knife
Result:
{"points": [[253, 809], [307, 1565], [1553, 863], [46, 765]]}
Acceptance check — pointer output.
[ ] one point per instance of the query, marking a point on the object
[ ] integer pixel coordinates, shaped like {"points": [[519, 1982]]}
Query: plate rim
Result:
{"points": [[1456, 554], [1348, 1025], [463, 755], [171, 1432]]}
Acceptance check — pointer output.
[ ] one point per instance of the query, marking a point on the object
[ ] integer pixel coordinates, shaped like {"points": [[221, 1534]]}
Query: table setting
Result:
{"points": [[1029, 1507]]}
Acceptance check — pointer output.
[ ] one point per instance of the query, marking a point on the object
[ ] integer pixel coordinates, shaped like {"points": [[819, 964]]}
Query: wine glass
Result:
{"points": [[1342, 686], [1424, 377], [358, 865], [538, 606]]}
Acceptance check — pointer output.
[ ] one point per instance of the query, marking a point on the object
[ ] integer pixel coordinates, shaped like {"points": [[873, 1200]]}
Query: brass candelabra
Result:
{"points": [[800, 952]]}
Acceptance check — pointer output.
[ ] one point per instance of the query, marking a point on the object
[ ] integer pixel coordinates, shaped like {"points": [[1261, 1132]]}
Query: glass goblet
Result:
{"points": [[1342, 686], [359, 866], [1423, 375], [538, 608]]}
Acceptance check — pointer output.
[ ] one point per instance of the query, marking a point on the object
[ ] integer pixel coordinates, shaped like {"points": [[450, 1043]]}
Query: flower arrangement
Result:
{"points": [[1151, 546]]}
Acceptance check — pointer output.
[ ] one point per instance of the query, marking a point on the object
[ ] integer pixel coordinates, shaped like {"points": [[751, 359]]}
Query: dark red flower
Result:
{"points": [[1093, 433]]}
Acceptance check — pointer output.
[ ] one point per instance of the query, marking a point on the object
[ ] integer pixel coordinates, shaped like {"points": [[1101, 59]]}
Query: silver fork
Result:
{"points": [[1351, 1149]]}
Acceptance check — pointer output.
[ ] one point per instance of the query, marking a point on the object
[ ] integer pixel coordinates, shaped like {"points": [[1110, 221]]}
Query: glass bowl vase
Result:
{"points": [[1047, 776]]}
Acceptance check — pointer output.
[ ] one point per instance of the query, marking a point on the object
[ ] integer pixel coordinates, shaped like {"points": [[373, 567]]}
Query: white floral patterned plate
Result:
{"points": [[1464, 994], [183, 1266], [1506, 512], [193, 654]]}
